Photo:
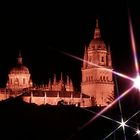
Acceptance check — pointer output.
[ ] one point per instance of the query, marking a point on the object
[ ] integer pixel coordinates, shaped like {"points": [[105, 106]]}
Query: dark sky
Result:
{"points": [[39, 29]]}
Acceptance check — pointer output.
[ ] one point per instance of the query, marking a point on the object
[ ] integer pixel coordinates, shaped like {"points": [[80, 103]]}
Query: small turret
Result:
{"points": [[49, 84], [85, 58], [68, 81], [109, 60], [61, 76], [54, 79], [71, 86]]}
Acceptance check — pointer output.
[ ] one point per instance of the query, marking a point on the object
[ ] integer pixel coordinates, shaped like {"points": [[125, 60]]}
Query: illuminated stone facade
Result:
{"points": [[42, 96], [97, 80], [97, 84], [54, 93]]}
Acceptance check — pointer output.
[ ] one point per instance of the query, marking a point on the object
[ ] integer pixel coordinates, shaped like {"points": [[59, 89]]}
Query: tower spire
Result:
{"points": [[49, 84], [85, 58], [19, 59], [61, 76], [68, 80], [97, 33], [54, 79]]}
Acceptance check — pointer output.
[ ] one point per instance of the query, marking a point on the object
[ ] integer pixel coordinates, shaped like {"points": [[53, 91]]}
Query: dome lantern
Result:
{"points": [[19, 59]]}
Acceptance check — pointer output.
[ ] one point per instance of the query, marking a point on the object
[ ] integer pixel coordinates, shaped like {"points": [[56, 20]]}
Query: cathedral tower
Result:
{"points": [[97, 82]]}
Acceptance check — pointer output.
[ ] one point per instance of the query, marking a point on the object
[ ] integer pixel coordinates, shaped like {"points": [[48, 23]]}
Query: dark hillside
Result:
{"points": [[23, 121]]}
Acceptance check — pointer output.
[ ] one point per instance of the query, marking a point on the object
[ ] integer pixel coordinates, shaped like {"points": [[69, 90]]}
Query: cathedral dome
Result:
{"points": [[97, 43], [19, 68], [19, 76]]}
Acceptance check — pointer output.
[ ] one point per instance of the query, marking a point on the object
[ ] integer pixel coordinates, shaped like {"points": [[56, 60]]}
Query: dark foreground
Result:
{"points": [[23, 121]]}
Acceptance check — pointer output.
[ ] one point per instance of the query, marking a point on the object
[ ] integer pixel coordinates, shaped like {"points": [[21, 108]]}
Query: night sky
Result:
{"points": [[41, 30]]}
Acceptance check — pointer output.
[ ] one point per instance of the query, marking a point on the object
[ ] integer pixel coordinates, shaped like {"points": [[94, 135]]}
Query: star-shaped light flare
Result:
{"points": [[138, 132], [137, 82], [122, 123]]}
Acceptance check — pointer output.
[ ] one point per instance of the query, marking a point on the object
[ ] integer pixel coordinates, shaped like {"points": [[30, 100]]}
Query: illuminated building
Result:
{"points": [[97, 82], [96, 87]]}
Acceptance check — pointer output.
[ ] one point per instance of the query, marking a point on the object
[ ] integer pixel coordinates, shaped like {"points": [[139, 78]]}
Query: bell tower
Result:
{"points": [[97, 81]]}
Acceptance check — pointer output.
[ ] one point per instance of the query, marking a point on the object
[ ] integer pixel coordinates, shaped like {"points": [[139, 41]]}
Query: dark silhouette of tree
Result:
{"points": [[93, 101], [110, 98]]}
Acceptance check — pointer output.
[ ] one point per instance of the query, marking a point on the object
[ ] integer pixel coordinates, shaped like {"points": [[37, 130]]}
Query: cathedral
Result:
{"points": [[97, 86], [97, 80]]}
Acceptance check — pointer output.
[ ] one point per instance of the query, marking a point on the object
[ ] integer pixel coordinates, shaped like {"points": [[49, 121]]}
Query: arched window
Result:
{"points": [[107, 78], [16, 81], [104, 78], [91, 78], [90, 58], [23, 80], [102, 59], [101, 78]]}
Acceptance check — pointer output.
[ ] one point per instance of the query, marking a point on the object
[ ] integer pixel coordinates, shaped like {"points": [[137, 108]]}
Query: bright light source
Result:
{"points": [[138, 132], [137, 82], [122, 124]]}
